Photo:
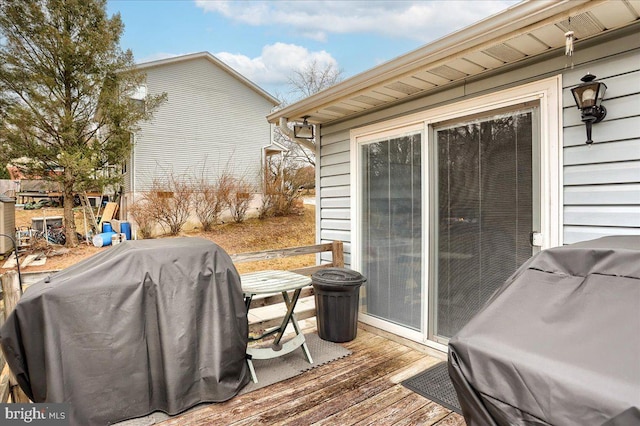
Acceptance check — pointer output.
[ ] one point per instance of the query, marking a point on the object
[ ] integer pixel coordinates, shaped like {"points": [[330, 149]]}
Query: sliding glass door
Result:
{"points": [[391, 228], [484, 197], [446, 203]]}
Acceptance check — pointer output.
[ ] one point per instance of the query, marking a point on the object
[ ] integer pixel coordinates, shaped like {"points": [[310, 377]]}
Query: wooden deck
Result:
{"points": [[361, 389]]}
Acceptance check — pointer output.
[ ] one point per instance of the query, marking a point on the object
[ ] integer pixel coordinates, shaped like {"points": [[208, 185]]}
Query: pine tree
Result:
{"points": [[66, 88]]}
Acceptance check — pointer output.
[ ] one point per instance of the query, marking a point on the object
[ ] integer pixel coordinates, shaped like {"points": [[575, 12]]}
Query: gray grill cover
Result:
{"points": [[559, 343], [143, 326]]}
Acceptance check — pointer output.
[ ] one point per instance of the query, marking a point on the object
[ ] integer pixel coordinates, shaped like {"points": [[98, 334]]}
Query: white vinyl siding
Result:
{"points": [[211, 123], [595, 179]]}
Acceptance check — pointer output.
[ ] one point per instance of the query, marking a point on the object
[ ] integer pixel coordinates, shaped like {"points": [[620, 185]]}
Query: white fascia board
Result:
{"points": [[503, 24]]}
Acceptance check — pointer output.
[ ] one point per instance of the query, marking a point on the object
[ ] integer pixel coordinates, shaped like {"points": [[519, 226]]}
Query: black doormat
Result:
{"points": [[435, 385]]}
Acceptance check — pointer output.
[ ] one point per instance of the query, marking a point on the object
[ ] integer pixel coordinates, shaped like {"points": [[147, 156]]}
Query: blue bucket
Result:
{"points": [[106, 227], [125, 228], [104, 239]]}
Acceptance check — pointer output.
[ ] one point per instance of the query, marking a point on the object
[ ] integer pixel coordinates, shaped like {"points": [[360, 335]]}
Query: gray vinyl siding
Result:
{"points": [[334, 206], [601, 183], [211, 123]]}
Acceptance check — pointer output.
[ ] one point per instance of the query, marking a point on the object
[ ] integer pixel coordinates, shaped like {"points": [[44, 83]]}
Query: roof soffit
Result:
{"points": [[461, 58]]}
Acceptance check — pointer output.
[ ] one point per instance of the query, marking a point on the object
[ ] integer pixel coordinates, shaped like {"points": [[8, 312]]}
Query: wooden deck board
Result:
{"points": [[337, 395], [340, 401], [316, 390], [453, 419], [363, 388], [363, 409], [247, 405], [397, 411], [429, 414]]}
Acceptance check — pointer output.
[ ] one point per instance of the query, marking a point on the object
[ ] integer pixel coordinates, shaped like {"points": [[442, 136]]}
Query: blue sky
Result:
{"points": [[266, 40]]}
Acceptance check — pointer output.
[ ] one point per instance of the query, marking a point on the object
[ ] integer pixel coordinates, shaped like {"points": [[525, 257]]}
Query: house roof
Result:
{"points": [[276, 147], [525, 30], [217, 62]]}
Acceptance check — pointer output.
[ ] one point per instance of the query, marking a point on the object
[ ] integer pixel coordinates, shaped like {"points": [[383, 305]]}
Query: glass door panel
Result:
{"points": [[484, 181], [391, 229]]}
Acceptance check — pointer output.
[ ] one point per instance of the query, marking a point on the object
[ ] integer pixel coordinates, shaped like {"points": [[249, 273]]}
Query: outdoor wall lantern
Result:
{"points": [[304, 130], [588, 97]]}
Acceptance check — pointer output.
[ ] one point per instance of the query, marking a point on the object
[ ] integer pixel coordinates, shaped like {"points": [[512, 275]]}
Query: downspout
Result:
{"points": [[313, 148], [132, 181], [289, 133]]}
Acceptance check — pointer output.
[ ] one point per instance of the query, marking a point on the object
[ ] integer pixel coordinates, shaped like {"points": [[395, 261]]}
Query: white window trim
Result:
{"points": [[549, 94]]}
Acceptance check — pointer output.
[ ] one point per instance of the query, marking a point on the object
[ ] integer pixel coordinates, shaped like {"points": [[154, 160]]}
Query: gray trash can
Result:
{"points": [[337, 293]]}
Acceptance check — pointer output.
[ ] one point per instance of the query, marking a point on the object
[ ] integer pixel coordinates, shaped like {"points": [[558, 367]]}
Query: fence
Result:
{"points": [[10, 295]]}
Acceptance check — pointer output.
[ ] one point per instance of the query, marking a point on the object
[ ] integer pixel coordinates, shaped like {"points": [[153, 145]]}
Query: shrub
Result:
{"points": [[211, 198], [241, 193], [283, 182], [169, 202], [144, 217]]}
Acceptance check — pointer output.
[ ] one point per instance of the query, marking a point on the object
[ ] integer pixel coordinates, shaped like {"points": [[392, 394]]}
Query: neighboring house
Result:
{"points": [[446, 168], [212, 123]]}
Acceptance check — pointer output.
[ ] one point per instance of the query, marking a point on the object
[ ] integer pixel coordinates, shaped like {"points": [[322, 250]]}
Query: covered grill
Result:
{"points": [[143, 326], [559, 343]]}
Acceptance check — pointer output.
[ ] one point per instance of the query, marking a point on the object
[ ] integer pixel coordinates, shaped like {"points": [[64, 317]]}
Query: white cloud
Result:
{"points": [[418, 20], [276, 62]]}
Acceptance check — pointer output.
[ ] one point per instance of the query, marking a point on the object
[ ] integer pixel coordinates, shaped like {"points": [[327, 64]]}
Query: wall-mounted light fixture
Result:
{"points": [[304, 130], [588, 97]]}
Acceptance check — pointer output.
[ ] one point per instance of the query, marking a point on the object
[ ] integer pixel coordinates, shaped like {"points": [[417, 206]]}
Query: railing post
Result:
{"points": [[11, 289], [337, 254]]}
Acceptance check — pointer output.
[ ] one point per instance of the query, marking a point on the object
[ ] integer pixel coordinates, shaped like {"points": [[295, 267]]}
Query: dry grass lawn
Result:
{"points": [[251, 235]]}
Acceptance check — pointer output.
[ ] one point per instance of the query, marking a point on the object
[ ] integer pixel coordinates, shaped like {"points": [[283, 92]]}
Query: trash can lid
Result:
{"points": [[338, 276]]}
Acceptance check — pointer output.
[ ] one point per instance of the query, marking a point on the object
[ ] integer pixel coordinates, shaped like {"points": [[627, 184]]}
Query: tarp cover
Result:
{"points": [[143, 326], [558, 343]]}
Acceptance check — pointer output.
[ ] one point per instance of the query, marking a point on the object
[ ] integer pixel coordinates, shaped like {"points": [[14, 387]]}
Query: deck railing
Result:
{"points": [[11, 294], [337, 256]]}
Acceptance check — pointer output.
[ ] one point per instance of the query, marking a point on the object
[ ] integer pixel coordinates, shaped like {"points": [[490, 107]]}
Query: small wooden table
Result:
{"points": [[270, 282]]}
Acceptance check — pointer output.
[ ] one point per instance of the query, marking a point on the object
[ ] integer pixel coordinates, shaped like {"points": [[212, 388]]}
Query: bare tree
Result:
{"points": [[306, 81], [313, 78], [295, 151]]}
